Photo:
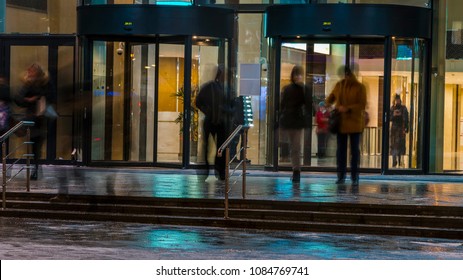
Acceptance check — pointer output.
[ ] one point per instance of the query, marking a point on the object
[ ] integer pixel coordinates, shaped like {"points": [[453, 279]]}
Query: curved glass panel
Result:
{"points": [[207, 56], [321, 62], [407, 99]]}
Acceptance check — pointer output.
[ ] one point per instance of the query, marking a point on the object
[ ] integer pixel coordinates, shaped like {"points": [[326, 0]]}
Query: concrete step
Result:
{"points": [[274, 215]]}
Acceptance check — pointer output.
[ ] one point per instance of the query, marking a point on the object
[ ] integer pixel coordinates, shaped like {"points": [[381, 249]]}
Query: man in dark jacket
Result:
{"points": [[212, 101]]}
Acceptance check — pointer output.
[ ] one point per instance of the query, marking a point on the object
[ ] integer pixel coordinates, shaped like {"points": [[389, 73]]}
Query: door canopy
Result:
{"points": [[348, 20], [122, 20]]}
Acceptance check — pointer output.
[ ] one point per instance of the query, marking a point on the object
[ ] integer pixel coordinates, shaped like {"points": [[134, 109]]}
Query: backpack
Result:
{"points": [[4, 116]]}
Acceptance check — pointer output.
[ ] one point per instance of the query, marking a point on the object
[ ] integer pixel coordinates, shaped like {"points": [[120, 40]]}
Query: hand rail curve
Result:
{"points": [[15, 128]]}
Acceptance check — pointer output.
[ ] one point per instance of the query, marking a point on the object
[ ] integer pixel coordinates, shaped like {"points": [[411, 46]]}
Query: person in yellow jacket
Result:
{"points": [[349, 98]]}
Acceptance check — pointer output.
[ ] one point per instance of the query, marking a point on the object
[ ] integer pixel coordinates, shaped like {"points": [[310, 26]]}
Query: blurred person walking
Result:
{"points": [[34, 95], [349, 98], [296, 114], [215, 105]]}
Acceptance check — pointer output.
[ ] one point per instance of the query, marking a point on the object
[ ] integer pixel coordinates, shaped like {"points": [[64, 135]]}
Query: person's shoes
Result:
{"points": [[340, 181], [59, 198], [355, 182], [296, 176], [394, 163], [34, 176]]}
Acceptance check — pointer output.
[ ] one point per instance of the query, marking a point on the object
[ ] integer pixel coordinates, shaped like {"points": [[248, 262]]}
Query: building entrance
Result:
{"points": [[141, 81], [388, 61], [395, 143], [139, 96]]}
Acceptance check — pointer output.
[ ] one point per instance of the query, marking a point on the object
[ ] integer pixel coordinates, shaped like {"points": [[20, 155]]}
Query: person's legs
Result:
{"points": [[295, 145], [355, 157], [37, 151], [205, 143], [341, 157], [322, 142]]}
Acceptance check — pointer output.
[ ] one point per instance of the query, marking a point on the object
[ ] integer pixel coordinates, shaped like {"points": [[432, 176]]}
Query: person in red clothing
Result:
{"points": [[322, 118]]}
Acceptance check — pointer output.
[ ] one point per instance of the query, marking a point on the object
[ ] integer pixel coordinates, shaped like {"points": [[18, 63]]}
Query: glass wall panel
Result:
{"points": [[252, 55], [170, 107], [52, 16], [65, 103], [452, 121], [406, 112]]}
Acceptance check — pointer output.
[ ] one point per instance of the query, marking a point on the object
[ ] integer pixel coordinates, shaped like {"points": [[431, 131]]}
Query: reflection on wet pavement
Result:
{"points": [[314, 187], [52, 239], [49, 239]]}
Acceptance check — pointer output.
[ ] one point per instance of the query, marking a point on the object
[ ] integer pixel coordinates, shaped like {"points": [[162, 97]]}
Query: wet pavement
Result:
{"points": [[25, 239], [53, 239], [437, 190]]}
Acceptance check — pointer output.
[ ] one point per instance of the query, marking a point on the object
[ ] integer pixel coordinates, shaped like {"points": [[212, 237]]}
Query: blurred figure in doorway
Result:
{"points": [[399, 127], [296, 114], [33, 96], [5, 109], [216, 106], [322, 118]]}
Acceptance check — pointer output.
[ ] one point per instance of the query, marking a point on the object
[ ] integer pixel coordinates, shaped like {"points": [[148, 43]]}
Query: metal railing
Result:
{"points": [[5, 156], [226, 147]]}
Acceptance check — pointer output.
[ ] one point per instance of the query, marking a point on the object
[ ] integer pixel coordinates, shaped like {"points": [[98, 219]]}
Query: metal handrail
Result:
{"points": [[12, 130], [3, 139], [225, 147]]}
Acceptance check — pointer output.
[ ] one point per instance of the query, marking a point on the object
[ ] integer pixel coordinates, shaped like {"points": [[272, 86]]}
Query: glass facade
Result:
{"points": [[38, 16], [151, 101]]}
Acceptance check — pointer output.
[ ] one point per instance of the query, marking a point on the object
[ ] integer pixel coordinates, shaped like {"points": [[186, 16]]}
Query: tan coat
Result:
{"points": [[351, 94]]}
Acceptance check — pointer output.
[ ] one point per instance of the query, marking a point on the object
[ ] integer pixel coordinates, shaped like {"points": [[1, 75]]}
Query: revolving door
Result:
{"points": [[140, 88], [390, 62]]}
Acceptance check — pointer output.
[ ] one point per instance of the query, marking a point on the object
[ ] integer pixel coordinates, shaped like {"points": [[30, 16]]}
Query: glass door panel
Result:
{"points": [[370, 61], [406, 112], [296, 55], [108, 87], [170, 103], [205, 59], [21, 57], [142, 102]]}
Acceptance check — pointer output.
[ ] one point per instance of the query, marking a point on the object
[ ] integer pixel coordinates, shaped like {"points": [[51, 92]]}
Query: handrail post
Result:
{"points": [[227, 181], [28, 160], [244, 159], [4, 174]]}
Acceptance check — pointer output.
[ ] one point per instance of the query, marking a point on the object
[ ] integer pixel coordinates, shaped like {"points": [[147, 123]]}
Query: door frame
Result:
{"points": [[188, 43], [386, 42], [53, 42]]}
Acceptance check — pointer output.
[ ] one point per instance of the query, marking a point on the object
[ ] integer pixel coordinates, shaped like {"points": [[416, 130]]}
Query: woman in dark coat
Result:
{"points": [[295, 106], [399, 127]]}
